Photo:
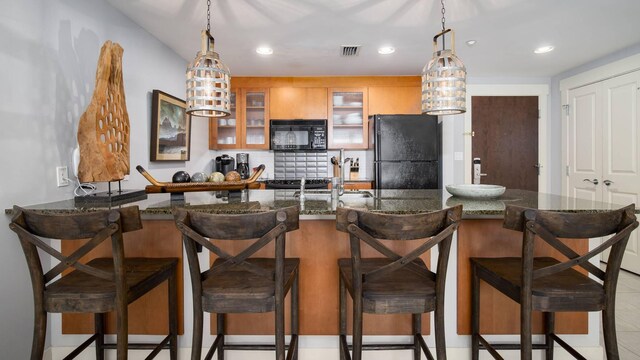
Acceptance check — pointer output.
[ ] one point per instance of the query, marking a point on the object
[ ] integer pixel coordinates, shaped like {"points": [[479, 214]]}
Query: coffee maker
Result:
{"points": [[242, 159], [224, 164]]}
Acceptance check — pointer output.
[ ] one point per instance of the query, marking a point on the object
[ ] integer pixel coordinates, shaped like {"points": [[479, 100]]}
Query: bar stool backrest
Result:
{"points": [[436, 227], [198, 227], [551, 226], [31, 226]]}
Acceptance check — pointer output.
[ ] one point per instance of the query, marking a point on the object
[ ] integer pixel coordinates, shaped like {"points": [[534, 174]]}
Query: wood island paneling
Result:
{"points": [[498, 313], [148, 314]]}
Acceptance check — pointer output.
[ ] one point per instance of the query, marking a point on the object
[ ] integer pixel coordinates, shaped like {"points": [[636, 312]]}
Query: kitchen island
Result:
{"points": [[319, 245]]}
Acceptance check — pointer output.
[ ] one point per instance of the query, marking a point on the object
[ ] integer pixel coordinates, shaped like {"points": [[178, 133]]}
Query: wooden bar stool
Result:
{"points": [[549, 285], [241, 284], [98, 286], [394, 284]]}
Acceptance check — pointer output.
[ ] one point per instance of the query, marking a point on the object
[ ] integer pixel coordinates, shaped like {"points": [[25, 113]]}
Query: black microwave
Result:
{"points": [[298, 135]]}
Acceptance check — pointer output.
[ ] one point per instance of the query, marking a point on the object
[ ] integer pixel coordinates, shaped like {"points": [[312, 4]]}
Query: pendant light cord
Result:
{"points": [[209, 16], [443, 27]]}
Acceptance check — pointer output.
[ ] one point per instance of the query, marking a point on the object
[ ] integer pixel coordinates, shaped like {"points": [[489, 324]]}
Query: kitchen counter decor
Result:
{"points": [[168, 187], [476, 191]]}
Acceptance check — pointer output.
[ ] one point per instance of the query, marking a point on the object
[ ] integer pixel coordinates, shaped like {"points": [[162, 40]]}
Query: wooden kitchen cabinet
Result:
{"points": [[390, 100], [247, 127], [298, 103], [348, 118]]}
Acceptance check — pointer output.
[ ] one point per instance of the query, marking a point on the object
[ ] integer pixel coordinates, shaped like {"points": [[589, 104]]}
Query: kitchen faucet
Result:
{"points": [[341, 162]]}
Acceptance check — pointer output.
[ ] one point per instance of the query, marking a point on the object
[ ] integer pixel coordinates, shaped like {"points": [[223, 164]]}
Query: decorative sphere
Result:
{"points": [[216, 177], [181, 177], [232, 176], [199, 177]]}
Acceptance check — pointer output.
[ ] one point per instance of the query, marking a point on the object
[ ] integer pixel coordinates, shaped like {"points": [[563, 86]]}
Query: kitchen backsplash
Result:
{"points": [[257, 157]]}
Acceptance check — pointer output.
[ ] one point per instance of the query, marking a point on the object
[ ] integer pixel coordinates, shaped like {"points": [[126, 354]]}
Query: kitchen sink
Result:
{"points": [[348, 194]]}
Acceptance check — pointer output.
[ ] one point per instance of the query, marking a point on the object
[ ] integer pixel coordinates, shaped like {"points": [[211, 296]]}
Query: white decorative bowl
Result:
{"points": [[476, 191]]}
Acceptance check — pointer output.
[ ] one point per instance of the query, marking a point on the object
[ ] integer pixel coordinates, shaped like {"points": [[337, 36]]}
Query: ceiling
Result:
{"points": [[306, 34]]}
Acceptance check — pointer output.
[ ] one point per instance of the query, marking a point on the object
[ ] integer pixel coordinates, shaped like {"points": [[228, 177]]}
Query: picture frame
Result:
{"points": [[170, 128]]}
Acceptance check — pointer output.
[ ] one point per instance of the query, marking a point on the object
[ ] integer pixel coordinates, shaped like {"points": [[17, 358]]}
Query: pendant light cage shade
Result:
{"points": [[208, 83], [444, 88]]}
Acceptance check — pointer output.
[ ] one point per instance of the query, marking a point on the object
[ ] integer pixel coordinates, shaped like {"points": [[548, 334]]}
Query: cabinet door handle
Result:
{"points": [[608, 182], [594, 181]]}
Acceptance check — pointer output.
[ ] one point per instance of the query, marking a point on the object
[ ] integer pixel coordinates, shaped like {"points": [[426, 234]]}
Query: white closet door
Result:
{"points": [[621, 151], [584, 144]]}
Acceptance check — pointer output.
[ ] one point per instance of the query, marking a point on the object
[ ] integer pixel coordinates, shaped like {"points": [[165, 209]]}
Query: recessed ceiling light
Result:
{"points": [[386, 50], [263, 50], [543, 49], [471, 42]]}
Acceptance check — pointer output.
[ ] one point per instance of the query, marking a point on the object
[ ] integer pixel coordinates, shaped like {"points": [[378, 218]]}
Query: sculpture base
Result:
{"points": [[115, 197]]}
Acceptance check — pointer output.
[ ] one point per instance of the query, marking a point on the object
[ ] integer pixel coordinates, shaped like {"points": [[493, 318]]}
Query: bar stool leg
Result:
{"points": [[417, 331], [220, 329], [99, 330], [122, 328], [357, 324], [475, 314], [441, 345], [295, 320], [343, 317], [39, 332], [550, 323], [609, 330], [196, 340], [173, 315]]}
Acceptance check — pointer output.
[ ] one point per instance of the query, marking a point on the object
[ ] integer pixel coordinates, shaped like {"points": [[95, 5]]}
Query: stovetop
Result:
{"points": [[295, 183]]}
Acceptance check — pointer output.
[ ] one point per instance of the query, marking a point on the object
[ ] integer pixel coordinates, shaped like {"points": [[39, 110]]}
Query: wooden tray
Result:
{"points": [[168, 187]]}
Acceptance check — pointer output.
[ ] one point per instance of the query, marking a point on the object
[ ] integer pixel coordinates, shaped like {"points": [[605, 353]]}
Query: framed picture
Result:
{"points": [[170, 128]]}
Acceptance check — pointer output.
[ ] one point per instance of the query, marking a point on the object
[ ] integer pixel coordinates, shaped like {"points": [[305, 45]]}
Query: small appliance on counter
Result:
{"points": [[225, 163], [242, 160]]}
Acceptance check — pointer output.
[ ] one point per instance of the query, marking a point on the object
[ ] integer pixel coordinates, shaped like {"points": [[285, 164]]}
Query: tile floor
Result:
{"points": [[628, 316]]}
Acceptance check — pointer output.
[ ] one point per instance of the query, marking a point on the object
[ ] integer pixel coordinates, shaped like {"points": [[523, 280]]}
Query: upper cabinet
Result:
{"points": [[346, 102], [348, 117], [255, 134], [298, 103], [247, 127], [391, 100]]}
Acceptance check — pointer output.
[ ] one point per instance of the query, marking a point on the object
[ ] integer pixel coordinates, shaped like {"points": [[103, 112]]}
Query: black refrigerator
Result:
{"points": [[406, 151]]}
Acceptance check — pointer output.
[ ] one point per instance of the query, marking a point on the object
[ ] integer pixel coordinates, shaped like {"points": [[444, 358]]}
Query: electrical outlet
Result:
{"points": [[62, 176]]}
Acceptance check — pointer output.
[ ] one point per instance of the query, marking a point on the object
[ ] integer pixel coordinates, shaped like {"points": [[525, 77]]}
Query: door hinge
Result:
{"points": [[567, 169], [566, 109], [538, 113], [471, 133]]}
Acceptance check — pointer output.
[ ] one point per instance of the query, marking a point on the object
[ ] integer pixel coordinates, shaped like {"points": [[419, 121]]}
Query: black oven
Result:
{"points": [[298, 134]]}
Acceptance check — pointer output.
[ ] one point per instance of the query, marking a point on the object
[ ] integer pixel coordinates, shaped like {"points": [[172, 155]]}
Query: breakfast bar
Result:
{"points": [[319, 245]]}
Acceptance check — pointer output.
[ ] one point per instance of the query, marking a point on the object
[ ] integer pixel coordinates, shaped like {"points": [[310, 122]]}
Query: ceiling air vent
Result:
{"points": [[349, 50]]}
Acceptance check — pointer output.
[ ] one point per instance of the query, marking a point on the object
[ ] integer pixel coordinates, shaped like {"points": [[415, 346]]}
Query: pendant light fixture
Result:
{"points": [[444, 79], [208, 79]]}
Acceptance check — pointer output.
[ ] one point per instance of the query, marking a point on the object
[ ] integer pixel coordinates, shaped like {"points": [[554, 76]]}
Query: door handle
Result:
{"points": [[608, 182], [594, 181]]}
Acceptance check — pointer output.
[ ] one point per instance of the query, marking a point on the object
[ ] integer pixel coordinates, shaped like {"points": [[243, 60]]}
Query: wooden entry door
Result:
{"points": [[505, 139]]}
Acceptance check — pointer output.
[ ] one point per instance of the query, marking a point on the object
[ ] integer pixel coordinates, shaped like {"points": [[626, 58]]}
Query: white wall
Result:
{"points": [[48, 55]]}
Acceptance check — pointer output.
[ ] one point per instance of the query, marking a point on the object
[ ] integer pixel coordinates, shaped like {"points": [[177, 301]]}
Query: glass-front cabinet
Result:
{"points": [[348, 118], [247, 127]]}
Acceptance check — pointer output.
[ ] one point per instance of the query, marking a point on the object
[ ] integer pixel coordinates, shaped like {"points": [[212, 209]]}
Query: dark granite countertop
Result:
{"points": [[321, 206]]}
